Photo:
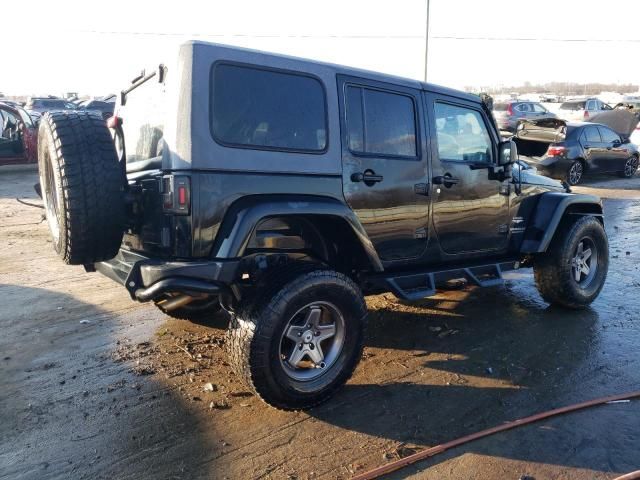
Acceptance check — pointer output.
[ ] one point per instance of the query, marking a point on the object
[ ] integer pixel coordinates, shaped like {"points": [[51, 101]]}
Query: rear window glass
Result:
{"points": [[143, 117], [572, 106], [381, 123], [268, 109]]}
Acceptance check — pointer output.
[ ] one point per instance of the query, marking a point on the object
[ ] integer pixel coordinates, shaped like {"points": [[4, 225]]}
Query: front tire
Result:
{"points": [[572, 272], [301, 340]]}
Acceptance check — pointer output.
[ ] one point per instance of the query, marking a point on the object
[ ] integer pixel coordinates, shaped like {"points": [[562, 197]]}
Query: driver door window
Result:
{"points": [[462, 135]]}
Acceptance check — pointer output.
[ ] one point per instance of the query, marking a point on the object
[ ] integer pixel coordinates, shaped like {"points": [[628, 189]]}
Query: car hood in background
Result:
{"points": [[623, 122], [548, 130]]}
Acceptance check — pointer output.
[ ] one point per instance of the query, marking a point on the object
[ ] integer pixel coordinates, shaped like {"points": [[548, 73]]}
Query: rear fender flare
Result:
{"points": [[551, 209], [246, 214]]}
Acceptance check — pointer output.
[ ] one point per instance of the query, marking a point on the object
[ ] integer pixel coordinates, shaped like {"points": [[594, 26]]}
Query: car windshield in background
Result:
{"points": [[52, 104], [25, 117], [573, 106]]}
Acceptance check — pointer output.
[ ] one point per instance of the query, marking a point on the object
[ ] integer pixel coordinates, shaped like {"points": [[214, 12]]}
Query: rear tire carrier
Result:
{"points": [[82, 186]]}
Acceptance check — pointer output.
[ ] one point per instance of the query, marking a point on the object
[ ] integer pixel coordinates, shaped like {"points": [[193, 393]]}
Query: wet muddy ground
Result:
{"points": [[94, 385]]}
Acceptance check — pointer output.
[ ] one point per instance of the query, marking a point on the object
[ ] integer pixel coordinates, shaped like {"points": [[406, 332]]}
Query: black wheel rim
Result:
{"points": [[50, 197], [584, 263], [631, 166], [312, 341], [575, 173]]}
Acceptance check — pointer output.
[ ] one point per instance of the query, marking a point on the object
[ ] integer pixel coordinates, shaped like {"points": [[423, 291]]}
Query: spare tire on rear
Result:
{"points": [[82, 186]]}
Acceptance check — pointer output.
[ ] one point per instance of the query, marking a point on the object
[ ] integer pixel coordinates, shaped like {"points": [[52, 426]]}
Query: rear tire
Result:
{"points": [[82, 186], [575, 173], [572, 272], [272, 340]]}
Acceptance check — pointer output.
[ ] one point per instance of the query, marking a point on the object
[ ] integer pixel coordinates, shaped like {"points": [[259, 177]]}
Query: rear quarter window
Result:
{"points": [[265, 109]]}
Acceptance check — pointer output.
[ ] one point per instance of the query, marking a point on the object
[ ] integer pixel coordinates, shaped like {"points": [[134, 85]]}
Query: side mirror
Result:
{"points": [[507, 153], [616, 143]]}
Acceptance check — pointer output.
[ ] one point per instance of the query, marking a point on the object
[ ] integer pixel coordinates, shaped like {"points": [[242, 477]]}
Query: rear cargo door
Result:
{"points": [[385, 171]]}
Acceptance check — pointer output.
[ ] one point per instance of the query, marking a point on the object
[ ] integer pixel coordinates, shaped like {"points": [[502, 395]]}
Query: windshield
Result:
{"points": [[52, 103], [24, 116]]}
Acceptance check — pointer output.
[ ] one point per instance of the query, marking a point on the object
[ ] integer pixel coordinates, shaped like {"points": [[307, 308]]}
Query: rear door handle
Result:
{"points": [[368, 177], [446, 180]]}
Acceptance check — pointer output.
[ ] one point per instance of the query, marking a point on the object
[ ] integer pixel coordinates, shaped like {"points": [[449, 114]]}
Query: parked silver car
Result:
{"points": [[509, 114], [581, 110]]}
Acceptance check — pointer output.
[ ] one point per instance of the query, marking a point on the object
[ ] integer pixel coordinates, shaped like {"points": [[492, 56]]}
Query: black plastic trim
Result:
{"points": [[548, 214]]}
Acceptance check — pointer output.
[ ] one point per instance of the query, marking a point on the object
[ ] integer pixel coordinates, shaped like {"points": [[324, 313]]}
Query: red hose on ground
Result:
{"points": [[629, 476], [433, 451]]}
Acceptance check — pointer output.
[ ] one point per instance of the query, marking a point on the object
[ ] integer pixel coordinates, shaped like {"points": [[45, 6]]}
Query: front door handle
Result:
{"points": [[368, 177], [447, 180]]}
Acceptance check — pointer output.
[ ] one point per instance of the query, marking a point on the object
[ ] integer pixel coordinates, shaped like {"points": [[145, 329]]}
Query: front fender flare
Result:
{"points": [[244, 215], [550, 210]]}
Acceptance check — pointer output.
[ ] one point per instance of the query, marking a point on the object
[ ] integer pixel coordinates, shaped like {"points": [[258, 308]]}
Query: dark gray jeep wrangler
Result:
{"points": [[284, 190]]}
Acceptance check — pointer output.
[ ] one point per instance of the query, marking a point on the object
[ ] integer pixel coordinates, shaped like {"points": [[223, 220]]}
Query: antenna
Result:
{"points": [[426, 43]]}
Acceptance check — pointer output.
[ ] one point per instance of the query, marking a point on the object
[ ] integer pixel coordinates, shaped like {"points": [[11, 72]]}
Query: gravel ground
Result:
{"points": [[97, 386]]}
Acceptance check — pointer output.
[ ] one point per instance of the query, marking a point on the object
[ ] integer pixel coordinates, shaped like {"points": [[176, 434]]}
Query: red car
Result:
{"points": [[18, 136]]}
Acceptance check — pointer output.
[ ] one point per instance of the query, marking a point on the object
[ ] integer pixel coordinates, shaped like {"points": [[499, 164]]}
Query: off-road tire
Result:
{"points": [[208, 311], [253, 337], [552, 269], [80, 175]]}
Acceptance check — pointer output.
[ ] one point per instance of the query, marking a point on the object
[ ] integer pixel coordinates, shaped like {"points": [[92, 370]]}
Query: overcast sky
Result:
{"points": [[55, 46]]}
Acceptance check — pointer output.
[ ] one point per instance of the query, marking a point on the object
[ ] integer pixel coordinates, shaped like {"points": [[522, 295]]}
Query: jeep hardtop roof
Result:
{"points": [[351, 71], [187, 135]]}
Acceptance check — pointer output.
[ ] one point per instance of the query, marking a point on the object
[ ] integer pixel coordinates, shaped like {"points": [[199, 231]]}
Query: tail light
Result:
{"points": [[510, 109], [556, 151], [586, 114], [176, 194], [114, 121]]}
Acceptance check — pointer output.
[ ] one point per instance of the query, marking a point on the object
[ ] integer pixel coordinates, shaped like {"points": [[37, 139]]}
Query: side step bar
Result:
{"points": [[420, 285]]}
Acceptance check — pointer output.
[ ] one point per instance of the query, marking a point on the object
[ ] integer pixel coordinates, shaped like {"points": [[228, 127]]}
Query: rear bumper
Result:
{"points": [[148, 278]]}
